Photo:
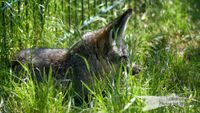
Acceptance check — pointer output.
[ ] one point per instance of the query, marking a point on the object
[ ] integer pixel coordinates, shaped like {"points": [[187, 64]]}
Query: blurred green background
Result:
{"points": [[163, 38]]}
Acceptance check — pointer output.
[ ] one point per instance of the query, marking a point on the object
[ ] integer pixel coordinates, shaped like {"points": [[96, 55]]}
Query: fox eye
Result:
{"points": [[124, 57]]}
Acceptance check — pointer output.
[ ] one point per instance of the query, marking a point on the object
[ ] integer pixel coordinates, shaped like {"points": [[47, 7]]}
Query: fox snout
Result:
{"points": [[134, 68]]}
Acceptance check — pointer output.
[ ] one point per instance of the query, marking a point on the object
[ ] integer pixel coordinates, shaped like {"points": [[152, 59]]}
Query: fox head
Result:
{"points": [[109, 42]]}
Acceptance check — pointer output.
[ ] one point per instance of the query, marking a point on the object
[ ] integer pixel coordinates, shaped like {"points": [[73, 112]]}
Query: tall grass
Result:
{"points": [[163, 39]]}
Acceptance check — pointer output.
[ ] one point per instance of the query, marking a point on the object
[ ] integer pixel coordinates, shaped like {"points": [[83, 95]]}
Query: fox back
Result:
{"points": [[95, 54]]}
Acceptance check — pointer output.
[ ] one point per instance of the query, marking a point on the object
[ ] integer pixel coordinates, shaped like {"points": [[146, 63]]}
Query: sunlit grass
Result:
{"points": [[163, 40]]}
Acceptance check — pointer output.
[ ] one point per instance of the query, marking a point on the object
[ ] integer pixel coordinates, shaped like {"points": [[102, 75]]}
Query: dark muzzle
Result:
{"points": [[134, 68]]}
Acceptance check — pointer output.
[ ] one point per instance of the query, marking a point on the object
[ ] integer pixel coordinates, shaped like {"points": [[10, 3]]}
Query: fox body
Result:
{"points": [[94, 54]]}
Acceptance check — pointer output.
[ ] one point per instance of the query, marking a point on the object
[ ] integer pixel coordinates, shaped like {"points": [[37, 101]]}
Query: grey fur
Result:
{"points": [[100, 49]]}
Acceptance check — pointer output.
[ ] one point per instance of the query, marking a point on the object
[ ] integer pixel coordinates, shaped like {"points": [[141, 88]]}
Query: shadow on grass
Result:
{"points": [[194, 11]]}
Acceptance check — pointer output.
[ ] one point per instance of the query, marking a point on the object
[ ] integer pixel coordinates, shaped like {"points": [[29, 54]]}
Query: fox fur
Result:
{"points": [[100, 49]]}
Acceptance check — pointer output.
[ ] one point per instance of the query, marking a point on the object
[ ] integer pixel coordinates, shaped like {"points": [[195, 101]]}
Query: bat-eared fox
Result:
{"points": [[97, 54]]}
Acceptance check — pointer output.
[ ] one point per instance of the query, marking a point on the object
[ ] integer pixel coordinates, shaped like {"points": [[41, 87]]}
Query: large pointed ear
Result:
{"points": [[118, 26], [114, 31]]}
